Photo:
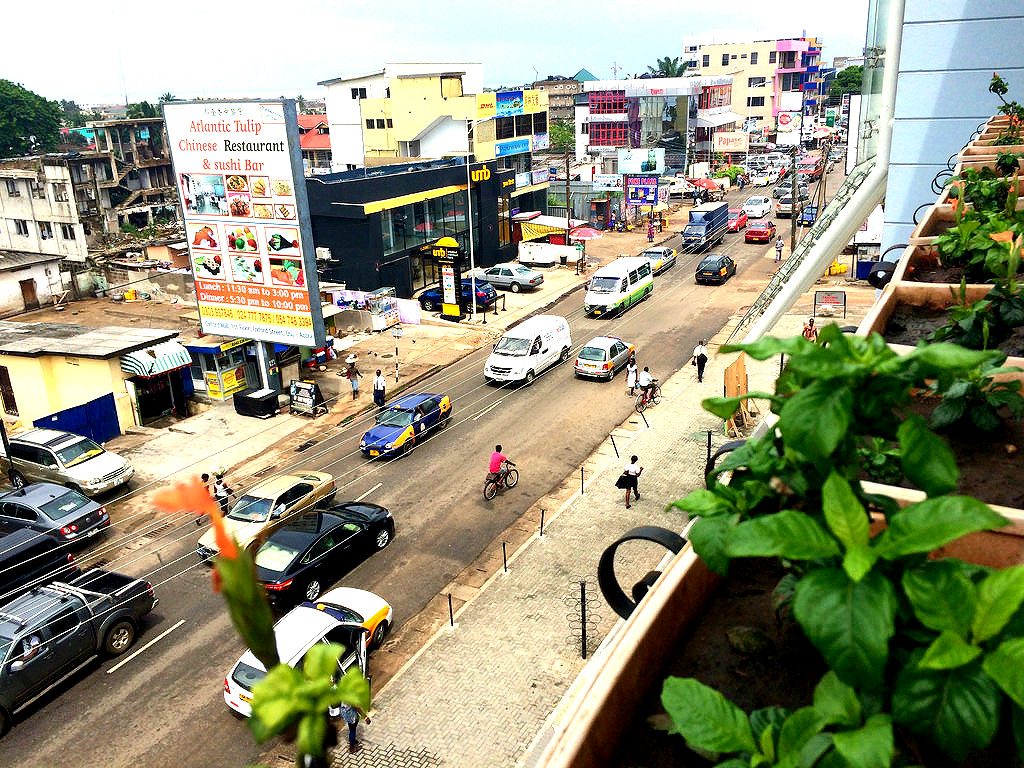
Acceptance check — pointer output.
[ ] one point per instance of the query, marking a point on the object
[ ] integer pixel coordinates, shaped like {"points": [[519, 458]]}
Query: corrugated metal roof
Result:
{"points": [[20, 259], [38, 339]]}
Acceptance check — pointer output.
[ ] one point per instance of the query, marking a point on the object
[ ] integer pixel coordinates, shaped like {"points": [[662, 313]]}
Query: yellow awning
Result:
{"points": [[414, 197]]}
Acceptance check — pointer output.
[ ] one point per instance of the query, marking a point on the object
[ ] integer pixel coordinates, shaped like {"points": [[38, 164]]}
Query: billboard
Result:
{"points": [[511, 147], [510, 103], [238, 169], [642, 161], [731, 141], [641, 190], [607, 182]]}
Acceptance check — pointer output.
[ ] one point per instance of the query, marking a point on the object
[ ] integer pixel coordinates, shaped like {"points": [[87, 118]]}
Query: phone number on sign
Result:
{"points": [[250, 316]]}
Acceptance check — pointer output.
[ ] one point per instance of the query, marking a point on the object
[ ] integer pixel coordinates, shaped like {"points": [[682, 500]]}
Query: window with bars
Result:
{"points": [[380, 123], [38, 189], [607, 102], [755, 82], [706, 60], [725, 59], [753, 57], [369, 123], [45, 230], [358, 93], [67, 231], [60, 193], [608, 134], [12, 188], [524, 125], [772, 56], [755, 101], [540, 122], [21, 227], [504, 128]]}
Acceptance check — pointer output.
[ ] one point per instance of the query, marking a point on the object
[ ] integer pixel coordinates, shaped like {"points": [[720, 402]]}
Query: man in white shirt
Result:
{"points": [[700, 358], [645, 381], [379, 385]]}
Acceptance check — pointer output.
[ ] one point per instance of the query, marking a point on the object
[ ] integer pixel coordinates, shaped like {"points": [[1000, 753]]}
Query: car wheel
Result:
{"points": [[379, 633], [5, 721], [17, 480], [313, 590], [119, 638], [408, 446], [382, 539], [516, 288], [564, 356], [428, 305], [529, 378]]}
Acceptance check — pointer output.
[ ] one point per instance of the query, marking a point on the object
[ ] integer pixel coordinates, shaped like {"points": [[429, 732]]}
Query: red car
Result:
{"points": [[737, 219], [760, 232]]}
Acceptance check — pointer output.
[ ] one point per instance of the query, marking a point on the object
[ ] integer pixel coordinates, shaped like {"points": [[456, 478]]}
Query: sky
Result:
{"points": [[258, 48]]}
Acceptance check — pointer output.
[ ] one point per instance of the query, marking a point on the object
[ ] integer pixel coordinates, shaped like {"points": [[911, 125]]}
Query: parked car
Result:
{"points": [[715, 268], [314, 549], [787, 189], [51, 630], [54, 456], [737, 219], [765, 177], [48, 508], [28, 560], [430, 299], [514, 277], [344, 615], [760, 232], [785, 206], [757, 207], [268, 505], [660, 258], [602, 357], [405, 423], [808, 216]]}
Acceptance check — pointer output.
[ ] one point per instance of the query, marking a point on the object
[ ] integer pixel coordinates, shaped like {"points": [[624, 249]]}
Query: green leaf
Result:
{"points": [[836, 702], [321, 661], [949, 358], [999, 597], [948, 412], [815, 419], [725, 407], [797, 731], [927, 460], [868, 747], [1017, 726], [733, 762], [788, 534], [941, 595], [705, 718], [934, 522], [770, 346], [844, 513], [768, 719], [957, 709], [1005, 665], [767, 743], [858, 561], [708, 537], [949, 651], [311, 733], [849, 622], [704, 503]]}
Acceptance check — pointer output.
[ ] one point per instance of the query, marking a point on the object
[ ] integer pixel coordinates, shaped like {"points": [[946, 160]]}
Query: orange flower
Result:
{"points": [[1003, 237], [958, 201], [194, 496]]}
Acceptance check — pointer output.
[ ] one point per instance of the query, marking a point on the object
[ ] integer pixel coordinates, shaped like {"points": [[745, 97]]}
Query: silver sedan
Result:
{"points": [[514, 277]]}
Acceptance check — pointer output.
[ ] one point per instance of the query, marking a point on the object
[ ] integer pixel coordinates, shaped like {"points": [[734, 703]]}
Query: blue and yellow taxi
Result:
{"points": [[405, 423]]}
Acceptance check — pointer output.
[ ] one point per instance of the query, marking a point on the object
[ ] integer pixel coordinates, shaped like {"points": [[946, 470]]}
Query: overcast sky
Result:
{"points": [[260, 48]]}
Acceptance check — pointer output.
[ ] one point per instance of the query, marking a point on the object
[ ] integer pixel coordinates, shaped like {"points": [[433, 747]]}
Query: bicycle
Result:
{"points": [[507, 477], [651, 397]]}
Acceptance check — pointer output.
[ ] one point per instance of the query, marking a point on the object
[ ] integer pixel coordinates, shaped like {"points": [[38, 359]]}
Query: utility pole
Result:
{"points": [[568, 205], [795, 197], [7, 452]]}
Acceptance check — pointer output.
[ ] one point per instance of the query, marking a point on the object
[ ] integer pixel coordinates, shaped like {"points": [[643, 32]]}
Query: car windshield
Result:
{"points": [[251, 509], [733, 215], [592, 353], [605, 284], [654, 255], [524, 271], [709, 262], [275, 556], [77, 452], [395, 418], [694, 229], [513, 347], [247, 676], [786, 201], [64, 506]]}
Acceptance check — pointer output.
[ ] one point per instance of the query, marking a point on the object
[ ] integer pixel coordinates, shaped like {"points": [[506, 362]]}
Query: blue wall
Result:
{"points": [[950, 50]]}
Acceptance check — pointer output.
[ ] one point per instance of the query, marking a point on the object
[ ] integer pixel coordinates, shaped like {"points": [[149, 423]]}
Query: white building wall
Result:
{"points": [[950, 50], [66, 233], [446, 138], [10, 286]]}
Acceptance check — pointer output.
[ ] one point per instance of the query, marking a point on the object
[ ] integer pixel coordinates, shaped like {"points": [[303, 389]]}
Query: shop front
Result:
{"points": [[220, 366], [158, 381]]}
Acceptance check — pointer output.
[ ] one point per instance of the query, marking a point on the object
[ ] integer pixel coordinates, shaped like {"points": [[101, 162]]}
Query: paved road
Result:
{"points": [[164, 707]]}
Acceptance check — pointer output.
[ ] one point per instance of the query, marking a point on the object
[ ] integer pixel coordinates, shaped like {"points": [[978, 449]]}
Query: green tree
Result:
{"points": [[847, 81], [28, 122], [669, 67], [167, 96], [140, 110], [562, 135], [72, 113]]}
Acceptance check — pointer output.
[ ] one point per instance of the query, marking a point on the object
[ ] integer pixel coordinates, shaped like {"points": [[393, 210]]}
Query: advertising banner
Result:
{"points": [[523, 179], [238, 169], [731, 141], [641, 190], [540, 177], [541, 141], [642, 161], [607, 182], [511, 147], [508, 103]]}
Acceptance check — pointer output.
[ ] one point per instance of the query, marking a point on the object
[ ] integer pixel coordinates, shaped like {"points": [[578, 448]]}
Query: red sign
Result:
{"points": [[784, 119]]}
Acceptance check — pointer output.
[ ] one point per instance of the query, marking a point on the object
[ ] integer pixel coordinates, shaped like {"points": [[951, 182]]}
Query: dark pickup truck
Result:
{"points": [[50, 631]]}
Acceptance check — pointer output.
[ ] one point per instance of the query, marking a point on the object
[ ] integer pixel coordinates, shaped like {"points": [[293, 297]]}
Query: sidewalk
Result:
{"points": [[479, 694]]}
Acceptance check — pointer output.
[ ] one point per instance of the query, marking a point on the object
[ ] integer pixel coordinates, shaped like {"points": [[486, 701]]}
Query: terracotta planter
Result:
{"points": [[938, 218], [979, 163], [974, 151], [595, 713], [926, 296]]}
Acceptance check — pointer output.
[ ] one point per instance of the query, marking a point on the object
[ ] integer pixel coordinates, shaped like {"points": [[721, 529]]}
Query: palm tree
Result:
{"points": [[167, 97], [668, 67]]}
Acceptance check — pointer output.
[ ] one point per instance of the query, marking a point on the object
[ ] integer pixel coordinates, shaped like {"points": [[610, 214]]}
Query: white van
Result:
{"points": [[533, 346], [617, 286]]}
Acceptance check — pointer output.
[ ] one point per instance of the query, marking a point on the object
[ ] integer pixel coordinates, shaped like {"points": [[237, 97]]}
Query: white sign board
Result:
{"points": [[647, 161], [607, 182], [730, 141], [239, 175]]}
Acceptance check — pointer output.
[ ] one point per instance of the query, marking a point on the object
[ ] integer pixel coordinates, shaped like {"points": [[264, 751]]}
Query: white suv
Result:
{"points": [[51, 456]]}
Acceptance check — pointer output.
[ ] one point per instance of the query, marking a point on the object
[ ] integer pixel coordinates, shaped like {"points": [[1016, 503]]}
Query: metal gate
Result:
{"points": [[96, 419]]}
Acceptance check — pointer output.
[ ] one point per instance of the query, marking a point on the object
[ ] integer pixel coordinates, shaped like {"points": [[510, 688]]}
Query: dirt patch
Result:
{"points": [[937, 274], [910, 325]]}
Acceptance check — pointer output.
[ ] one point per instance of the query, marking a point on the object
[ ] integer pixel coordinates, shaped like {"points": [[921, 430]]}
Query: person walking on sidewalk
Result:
{"points": [[379, 387], [351, 717], [629, 478], [353, 375], [810, 332], [631, 371], [778, 249], [700, 358], [221, 493]]}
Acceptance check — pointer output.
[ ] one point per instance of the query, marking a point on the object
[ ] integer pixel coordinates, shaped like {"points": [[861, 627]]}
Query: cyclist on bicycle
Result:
{"points": [[496, 468], [646, 382]]}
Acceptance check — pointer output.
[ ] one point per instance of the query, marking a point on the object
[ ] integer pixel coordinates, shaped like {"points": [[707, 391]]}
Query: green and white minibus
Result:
{"points": [[617, 286]]}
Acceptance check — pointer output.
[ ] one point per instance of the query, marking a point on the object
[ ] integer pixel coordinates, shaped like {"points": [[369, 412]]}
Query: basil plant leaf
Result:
{"points": [[871, 746], [942, 596], [999, 597], [815, 419], [1005, 665], [927, 459], [934, 522], [705, 718], [836, 702], [789, 534], [949, 651]]}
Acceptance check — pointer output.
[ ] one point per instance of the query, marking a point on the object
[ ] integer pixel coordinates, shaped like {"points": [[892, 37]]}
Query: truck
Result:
{"points": [[49, 632], [707, 226]]}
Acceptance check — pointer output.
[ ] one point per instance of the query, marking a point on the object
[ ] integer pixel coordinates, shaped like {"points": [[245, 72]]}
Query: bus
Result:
{"points": [[616, 287]]}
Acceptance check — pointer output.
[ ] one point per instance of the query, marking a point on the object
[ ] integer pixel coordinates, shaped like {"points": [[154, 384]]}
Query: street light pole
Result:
{"points": [[469, 223]]}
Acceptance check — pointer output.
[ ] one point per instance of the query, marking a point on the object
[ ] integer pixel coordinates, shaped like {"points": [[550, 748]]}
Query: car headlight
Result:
{"points": [[362, 443], [387, 445]]}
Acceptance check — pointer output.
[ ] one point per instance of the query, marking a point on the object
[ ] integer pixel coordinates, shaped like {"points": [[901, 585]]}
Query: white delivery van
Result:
{"points": [[524, 351], [617, 286]]}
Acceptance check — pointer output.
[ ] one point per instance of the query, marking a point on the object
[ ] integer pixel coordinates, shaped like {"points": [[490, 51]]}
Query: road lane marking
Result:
{"points": [[378, 485], [488, 409], [147, 645]]}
